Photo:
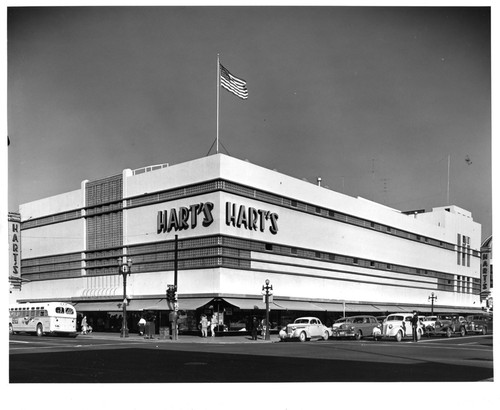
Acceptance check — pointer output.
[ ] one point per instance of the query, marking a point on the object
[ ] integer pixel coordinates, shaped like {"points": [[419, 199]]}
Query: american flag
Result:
{"points": [[233, 84]]}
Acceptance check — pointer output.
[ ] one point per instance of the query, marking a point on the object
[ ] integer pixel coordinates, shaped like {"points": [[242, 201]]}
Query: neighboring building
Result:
{"points": [[487, 274], [238, 224]]}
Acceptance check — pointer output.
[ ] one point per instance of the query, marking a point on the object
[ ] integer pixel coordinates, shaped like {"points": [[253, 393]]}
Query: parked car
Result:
{"points": [[305, 328], [398, 326], [428, 322], [446, 325], [338, 323], [357, 327], [479, 324]]}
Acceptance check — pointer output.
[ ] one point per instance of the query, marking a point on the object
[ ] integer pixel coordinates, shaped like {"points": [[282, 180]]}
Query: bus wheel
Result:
{"points": [[39, 330], [11, 329]]}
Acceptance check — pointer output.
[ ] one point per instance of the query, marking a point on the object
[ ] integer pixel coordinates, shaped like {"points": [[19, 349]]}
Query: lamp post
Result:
{"points": [[267, 288], [124, 266], [432, 298]]}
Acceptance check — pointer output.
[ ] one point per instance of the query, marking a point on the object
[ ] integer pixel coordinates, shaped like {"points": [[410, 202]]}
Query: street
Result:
{"points": [[109, 359]]}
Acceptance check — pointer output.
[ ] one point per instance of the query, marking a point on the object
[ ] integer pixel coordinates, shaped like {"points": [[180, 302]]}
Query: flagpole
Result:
{"points": [[218, 102], [448, 187]]}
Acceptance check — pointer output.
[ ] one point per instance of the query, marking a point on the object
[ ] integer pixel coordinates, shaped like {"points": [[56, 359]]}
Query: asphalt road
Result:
{"points": [[108, 359]]}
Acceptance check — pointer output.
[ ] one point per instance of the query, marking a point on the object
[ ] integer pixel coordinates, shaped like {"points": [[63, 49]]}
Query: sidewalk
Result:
{"points": [[135, 337]]}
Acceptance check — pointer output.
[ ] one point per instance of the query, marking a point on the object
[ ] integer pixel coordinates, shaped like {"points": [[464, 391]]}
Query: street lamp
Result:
{"points": [[267, 288], [124, 267], [432, 298]]}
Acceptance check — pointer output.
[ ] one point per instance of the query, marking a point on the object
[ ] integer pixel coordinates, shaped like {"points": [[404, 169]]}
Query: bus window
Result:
{"points": [[69, 311], [59, 310]]}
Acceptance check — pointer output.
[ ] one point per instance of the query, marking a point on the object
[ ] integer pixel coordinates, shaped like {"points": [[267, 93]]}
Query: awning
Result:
{"points": [[248, 304], [440, 309], [388, 308], [358, 307], [115, 306], [145, 304], [298, 305], [329, 307], [412, 308], [162, 304], [193, 303]]}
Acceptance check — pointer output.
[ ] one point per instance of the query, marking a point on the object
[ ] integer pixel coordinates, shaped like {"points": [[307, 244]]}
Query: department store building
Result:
{"points": [[237, 224]]}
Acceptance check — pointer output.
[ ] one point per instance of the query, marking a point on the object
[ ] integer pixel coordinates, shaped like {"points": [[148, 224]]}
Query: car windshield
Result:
{"points": [[341, 320], [301, 321], [394, 318]]}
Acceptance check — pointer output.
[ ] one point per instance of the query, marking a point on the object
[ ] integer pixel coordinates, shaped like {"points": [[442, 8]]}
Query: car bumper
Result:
{"points": [[337, 334]]}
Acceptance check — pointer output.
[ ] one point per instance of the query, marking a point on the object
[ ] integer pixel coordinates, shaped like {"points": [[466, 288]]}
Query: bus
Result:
{"points": [[43, 318]]}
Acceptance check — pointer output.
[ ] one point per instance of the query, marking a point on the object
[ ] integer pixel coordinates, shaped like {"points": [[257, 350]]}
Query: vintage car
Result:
{"points": [[338, 323], [357, 327], [479, 324], [428, 322], [446, 325], [398, 326], [305, 328]]}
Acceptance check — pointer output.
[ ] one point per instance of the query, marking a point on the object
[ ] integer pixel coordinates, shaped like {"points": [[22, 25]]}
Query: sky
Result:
{"points": [[374, 100]]}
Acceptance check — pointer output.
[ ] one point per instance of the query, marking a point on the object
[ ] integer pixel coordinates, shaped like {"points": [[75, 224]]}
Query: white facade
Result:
{"points": [[314, 245]]}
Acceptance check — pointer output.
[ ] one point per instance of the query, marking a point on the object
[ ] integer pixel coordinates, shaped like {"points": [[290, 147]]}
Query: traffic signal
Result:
{"points": [[171, 293]]}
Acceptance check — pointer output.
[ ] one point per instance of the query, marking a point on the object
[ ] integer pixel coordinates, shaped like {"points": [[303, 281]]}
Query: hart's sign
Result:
{"points": [[14, 248], [251, 218], [185, 218], [239, 216]]}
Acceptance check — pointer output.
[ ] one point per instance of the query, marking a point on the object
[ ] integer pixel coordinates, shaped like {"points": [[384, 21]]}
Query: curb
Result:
{"points": [[181, 339]]}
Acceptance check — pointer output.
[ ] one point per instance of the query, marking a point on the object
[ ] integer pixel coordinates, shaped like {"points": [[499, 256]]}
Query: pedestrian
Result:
{"points": [[142, 325], [414, 325], [84, 325], [255, 327], [213, 325], [204, 325]]}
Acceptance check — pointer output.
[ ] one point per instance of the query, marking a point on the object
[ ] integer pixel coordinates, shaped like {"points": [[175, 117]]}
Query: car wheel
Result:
{"points": [[463, 332], [11, 329], [302, 337], [39, 330], [448, 332], [484, 331], [326, 335], [399, 336], [358, 335]]}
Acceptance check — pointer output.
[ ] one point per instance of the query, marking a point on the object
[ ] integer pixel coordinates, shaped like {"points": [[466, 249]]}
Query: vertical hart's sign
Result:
{"points": [[238, 216], [14, 249], [485, 275]]}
